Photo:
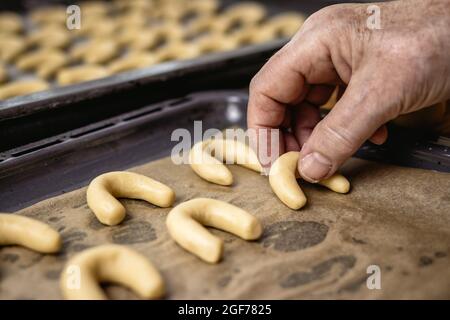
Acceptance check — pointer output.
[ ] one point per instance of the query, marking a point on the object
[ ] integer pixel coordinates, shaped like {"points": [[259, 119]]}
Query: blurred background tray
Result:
{"points": [[33, 117], [59, 96]]}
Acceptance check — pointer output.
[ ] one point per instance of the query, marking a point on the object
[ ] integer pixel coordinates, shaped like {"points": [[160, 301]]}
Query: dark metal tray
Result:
{"points": [[70, 160]]}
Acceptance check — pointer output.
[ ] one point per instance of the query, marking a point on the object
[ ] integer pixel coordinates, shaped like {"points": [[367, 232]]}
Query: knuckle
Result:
{"points": [[329, 22], [254, 83], [260, 83], [319, 17], [326, 15]]}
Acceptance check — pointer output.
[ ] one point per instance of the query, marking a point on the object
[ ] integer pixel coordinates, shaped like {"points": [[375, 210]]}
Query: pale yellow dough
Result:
{"points": [[90, 27], [29, 233], [212, 169], [103, 191], [286, 24], [147, 38], [21, 88], [133, 19], [46, 62], [178, 10], [131, 62], [254, 34], [98, 9], [10, 22], [95, 51], [202, 7], [206, 24], [82, 275], [73, 75], [49, 37], [216, 42], [134, 5], [185, 224], [11, 47], [177, 51], [245, 13], [283, 175]]}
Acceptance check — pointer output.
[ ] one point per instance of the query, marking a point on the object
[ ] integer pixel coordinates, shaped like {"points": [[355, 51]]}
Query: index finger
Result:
{"points": [[275, 86], [283, 82]]}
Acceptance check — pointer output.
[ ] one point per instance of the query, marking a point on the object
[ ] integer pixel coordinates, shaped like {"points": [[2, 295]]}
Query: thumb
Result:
{"points": [[353, 120]]}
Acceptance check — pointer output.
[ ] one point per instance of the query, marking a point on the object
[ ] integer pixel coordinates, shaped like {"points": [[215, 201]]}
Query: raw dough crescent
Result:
{"points": [[29, 233], [185, 224], [82, 275], [212, 169], [103, 190], [283, 175]]}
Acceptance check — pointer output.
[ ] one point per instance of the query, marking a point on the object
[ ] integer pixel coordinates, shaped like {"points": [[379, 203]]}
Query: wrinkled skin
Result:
{"points": [[383, 73]]}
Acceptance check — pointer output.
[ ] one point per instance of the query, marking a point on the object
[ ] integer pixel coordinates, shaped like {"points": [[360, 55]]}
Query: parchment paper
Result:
{"points": [[395, 218]]}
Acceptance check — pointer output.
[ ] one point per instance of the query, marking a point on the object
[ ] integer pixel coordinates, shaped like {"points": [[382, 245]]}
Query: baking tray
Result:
{"points": [[69, 161], [63, 96], [23, 123]]}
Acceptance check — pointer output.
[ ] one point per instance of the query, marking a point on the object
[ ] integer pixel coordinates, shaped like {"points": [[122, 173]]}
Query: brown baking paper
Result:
{"points": [[395, 218]]}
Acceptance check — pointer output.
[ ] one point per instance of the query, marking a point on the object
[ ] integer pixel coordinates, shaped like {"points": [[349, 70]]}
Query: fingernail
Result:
{"points": [[314, 167]]}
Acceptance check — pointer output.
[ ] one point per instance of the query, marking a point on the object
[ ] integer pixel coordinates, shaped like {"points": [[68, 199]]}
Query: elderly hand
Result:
{"points": [[400, 68]]}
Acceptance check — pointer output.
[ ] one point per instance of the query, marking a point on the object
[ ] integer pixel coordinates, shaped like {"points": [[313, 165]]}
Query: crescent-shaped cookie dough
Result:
{"points": [[182, 10], [94, 8], [29, 233], [90, 28], [49, 37], [206, 25], [253, 35], [177, 51], [22, 88], [103, 190], [243, 14], [82, 275], [95, 51], [73, 75], [138, 5], [133, 19], [212, 169], [151, 37], [11, 47], [10, 22], [132, 61], [286, 24], [216, 42], [46, 62], [283, 175], [202, 7], [332, 100], [185, 224]]}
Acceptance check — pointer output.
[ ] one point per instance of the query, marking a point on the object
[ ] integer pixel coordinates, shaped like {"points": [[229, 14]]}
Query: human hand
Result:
{"points": [[398, 69]]}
